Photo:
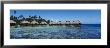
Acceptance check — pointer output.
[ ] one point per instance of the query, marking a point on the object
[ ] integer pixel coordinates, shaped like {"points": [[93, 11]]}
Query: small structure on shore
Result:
{"points": [[12, 23], [34, 22], [25, 23], [43, 23]]}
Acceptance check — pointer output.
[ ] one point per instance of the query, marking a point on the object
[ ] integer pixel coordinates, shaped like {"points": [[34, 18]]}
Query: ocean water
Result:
{"points": [[84, 31]]}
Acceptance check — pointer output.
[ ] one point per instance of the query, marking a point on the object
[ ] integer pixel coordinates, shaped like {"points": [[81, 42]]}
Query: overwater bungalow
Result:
{"points": [[65, 22], [77, 22], [51, 22], [25, 23], [12, 23], [59, 22], [73, 22]]}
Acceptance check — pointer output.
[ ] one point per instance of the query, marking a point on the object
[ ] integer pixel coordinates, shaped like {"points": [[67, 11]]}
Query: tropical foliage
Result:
{"points": [[20, 18]]}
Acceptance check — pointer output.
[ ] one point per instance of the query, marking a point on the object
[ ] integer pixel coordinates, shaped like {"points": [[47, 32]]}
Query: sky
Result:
{"points": [[85, 16]]}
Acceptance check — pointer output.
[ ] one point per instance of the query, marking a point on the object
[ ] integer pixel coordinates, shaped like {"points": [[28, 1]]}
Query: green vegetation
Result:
{"points": [[21, 18], [37, 20]]}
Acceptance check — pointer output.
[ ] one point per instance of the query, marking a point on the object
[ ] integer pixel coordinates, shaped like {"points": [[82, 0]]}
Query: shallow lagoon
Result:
{"points": [[86, 31]]}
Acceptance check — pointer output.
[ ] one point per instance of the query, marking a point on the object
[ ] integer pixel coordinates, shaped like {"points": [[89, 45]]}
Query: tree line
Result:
{"points": [[36, 18]]}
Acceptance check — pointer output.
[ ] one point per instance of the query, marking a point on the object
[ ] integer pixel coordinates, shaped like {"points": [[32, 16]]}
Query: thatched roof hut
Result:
{"points": [[25, 22], [67, 22], [53, 22], [75, 22], [11, 21], [78, 22], [43, 23], [34, 22], [59, 22]]}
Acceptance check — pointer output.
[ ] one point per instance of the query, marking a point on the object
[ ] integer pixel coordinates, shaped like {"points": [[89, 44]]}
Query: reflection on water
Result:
{"points": [[57, 32]]}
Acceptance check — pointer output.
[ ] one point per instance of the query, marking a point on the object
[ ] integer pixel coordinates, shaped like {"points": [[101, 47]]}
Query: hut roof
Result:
{"points": [[11, 21], [53, 22], [75, 22], [43, 23], [34, 22], [59, 22], [25, 22], [66, 22]]}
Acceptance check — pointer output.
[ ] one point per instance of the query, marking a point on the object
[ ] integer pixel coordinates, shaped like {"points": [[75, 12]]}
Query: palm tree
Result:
{"points": [[29, 19], [29, 16], [35, 17], [39, 17], [20, 17], [48, 21], [14, 11], [12, 17], [23, 18]]}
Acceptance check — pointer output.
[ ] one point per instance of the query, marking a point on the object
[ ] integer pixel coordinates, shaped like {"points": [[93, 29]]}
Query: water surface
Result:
{"points": [[84, 31]]}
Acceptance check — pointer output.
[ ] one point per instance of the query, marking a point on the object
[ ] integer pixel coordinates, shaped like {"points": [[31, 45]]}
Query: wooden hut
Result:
{"points": [[67, 22], [12, 23], [25, 23], [43, 23], [75, 22], [52, 23], [34, 22], [59, 22]]}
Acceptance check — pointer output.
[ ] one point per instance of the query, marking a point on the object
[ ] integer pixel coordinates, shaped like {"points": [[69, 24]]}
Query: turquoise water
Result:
{"points": [[86, 31]]}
